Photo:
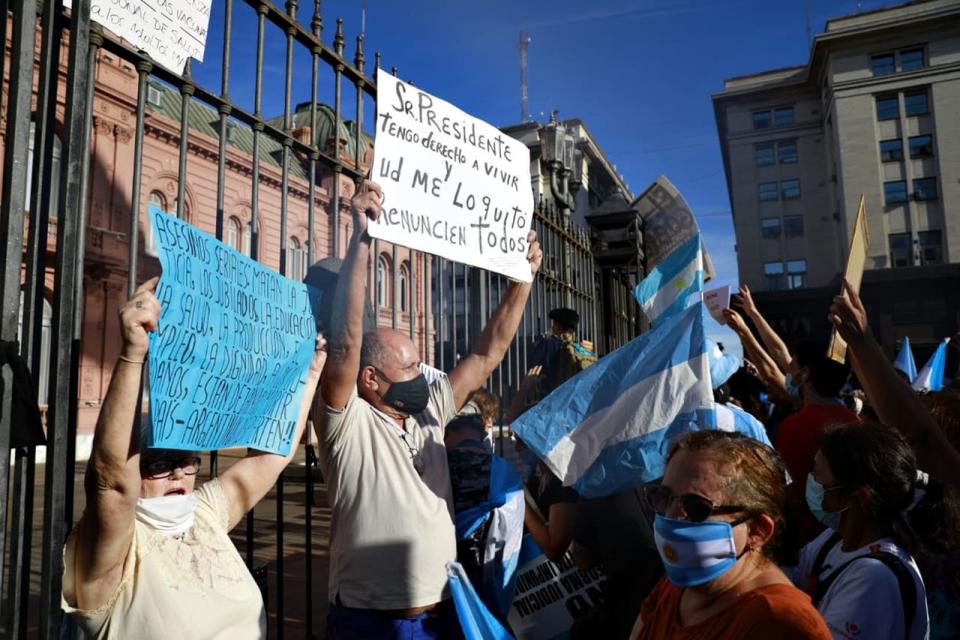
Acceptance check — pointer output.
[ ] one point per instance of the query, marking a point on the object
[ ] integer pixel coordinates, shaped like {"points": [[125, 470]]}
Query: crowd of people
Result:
{"points": [[823, 505]]}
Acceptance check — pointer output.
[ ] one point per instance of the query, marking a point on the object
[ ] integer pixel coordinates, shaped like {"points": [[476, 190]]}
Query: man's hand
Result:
{"points": [[534, 252], [849, 316], [744, 300], [366, 205], [735, 321], [138, 316]]}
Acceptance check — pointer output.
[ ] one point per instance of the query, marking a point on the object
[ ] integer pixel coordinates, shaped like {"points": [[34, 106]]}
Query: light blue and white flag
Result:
{"points": [[476, 621], [930, 377], [671, 285], [610, 427], [905, 362]]}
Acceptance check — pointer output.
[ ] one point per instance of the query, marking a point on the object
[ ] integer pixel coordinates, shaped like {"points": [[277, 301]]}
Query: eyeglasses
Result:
{"points": [[696, 508], [163, 468]]}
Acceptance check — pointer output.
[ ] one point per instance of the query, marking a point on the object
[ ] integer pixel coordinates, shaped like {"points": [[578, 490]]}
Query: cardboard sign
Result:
{"points": [[169, 30], [453, 186], [717, 300], [549, 595], [856, 261], [667, 224], [229, 360]]}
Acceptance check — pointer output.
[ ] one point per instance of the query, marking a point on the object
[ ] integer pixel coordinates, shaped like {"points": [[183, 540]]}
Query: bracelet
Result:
{"points": [[125, 359]]}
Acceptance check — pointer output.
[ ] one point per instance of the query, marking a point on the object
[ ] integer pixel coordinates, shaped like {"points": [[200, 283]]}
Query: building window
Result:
{"points": [[931, 247], [761, 119], [793, 226], [796, 274], [768, 191], [247, 240], [891, 150], [382, 281], [911, 59], [888, 108], [232, 236], [765, 155], [882, 65], [294, 259], [782, 116], [787, 152], [770, 228], [915, 103], [790, 189], [900, 254], [773, 271], [54, 181], [895, 192], [921, 146], [404, 294], [925, 188], [153, 95], [46, 323], [149, 242]]}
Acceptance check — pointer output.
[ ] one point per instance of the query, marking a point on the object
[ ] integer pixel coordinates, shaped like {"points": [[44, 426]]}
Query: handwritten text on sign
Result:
{"points": [[169, 30], [229, 360], [453, 186]]}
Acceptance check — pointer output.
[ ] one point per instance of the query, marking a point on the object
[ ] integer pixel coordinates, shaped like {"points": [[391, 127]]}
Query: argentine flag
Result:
{"points": [[904, 361], [930, 377], [476, 621], [669, 287], [610, 427]]}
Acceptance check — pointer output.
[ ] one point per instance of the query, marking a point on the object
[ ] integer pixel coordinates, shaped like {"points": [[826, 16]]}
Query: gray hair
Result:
{"points": [[373, 351]]}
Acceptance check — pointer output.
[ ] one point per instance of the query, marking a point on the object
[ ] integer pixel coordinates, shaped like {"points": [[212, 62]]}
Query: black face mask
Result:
{"points": [[409, 397]]}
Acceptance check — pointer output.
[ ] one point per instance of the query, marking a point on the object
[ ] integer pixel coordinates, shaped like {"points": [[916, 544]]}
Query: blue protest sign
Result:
{"points": [[229, 359]]}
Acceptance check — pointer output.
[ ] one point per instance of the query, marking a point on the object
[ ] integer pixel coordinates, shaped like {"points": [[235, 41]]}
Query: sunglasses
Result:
{"points": [[163, 468], [695, 508]]}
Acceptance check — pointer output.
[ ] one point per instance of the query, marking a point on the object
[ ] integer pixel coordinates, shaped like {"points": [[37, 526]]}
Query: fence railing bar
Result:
{"points": [[64, 372]]}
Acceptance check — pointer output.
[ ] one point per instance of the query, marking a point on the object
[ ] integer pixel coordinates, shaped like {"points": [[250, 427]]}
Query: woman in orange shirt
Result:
{"points": [[719, 516]]}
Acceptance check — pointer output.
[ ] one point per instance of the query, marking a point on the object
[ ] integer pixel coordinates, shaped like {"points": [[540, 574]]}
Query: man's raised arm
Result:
{"points": [[346, 330], [495, 339], [775, 345]]}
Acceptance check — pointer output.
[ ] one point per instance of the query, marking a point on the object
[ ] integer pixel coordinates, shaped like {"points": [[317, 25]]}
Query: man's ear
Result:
{"points": [[368, 378]]}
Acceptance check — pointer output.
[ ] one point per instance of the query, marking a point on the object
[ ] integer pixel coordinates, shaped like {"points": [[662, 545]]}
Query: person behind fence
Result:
{"points": [[859, 571], [151, 556], [719, 515], [382, 454]]}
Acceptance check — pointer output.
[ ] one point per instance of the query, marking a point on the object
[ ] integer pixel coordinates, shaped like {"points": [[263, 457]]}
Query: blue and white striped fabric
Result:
{"points": [[476, 621], [905, 362], [610, 427], [732, 418], [930, 377], [669, 287]]}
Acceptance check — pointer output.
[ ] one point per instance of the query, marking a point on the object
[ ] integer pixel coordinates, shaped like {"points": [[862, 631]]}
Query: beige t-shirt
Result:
{"points": [[392, 533], [194, 586]]}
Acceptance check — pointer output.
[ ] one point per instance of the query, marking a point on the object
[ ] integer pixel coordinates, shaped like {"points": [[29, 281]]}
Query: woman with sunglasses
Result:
{"points": [[719, 516], [860, 572], [151, 556]]}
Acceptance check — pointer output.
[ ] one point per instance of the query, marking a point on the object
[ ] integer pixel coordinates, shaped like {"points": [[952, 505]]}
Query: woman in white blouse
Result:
{"points": [[151, 557]]}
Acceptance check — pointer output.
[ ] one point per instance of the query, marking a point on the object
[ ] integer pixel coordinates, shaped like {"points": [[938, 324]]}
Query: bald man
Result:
{"points": [[380, 428]]}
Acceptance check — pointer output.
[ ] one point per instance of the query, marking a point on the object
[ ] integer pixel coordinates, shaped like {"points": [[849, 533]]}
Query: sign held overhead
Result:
{"points": [[453, 185]]}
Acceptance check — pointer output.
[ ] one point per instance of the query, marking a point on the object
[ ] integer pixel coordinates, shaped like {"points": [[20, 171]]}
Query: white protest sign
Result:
{"points": [[169, 30], [550, 595], [717, 300], [453, 186]]}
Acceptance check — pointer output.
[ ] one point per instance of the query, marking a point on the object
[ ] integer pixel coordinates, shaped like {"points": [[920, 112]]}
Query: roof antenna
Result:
{"points": [[524, 98], [363, 18]]}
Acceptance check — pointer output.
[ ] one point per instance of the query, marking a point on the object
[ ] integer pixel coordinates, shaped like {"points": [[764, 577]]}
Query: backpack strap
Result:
{"points": [[813, 586], [908, 588]]}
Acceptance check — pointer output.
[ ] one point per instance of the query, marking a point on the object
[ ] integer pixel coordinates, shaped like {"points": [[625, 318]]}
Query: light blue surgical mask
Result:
{"points": [[815, 492], [695, 553]]}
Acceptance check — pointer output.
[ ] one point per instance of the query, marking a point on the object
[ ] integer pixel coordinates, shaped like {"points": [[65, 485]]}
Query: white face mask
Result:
{"points": [[168, 515]]}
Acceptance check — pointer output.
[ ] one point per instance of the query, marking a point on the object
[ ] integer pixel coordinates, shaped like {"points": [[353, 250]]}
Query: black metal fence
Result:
{"points": [[282, 164]]}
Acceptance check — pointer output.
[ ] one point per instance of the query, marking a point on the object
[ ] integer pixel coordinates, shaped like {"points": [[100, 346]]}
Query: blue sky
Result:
{"points": [[639, 74]]}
